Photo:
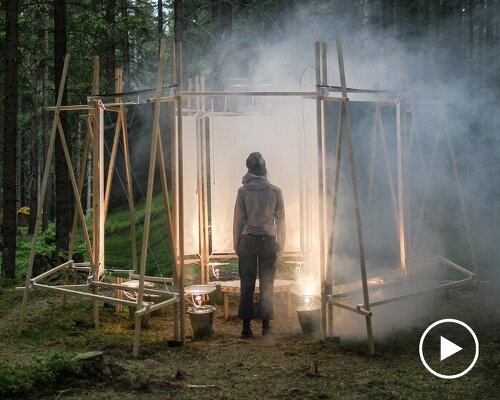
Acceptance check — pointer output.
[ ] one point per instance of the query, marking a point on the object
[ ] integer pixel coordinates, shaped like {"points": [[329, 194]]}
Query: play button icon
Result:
{"points": [[449, 348]]}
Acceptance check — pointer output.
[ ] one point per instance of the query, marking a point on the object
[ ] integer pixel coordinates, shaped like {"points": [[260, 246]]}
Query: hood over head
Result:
{"points": [[252, 181], [256, 164]]}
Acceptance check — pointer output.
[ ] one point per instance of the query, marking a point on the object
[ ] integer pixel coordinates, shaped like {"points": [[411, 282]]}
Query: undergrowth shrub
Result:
{"points": [[20, 380]]}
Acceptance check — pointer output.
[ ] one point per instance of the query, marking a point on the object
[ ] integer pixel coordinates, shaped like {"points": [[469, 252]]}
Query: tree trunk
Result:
{"points": [[109, 48], [126, 51], [160, 22], [45, 139], [9, 228], [64, 198]]}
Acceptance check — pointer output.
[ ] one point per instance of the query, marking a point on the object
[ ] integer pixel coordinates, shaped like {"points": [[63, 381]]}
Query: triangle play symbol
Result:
{"points": [[448, 348]]}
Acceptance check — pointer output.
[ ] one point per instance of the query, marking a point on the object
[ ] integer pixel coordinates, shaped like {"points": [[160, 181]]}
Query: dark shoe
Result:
{"points": [[266, 329], [246, 332]]}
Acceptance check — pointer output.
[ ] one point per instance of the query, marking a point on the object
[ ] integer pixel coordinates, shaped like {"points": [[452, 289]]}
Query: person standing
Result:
{"points": [[258, 238]]}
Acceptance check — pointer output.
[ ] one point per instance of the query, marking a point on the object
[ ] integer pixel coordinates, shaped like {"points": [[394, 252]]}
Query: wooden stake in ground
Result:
{"points": [[149, 196], [46, 173]]}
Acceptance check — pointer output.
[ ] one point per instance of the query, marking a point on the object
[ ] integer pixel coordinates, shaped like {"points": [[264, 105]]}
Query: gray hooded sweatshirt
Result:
{"points": [[259, 209]]}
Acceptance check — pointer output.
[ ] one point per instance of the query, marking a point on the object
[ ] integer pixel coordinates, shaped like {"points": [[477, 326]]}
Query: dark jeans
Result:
{"points": [[257, 256]]}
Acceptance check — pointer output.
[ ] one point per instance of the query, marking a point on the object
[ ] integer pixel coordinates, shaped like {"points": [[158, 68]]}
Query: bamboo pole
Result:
{"points": [[180, 178], [199, 175], [76, 192], [388, 171], [81, 181], [461, 198], [422, 291], [328, 277], [205, 175], [94, 297], [81, 107], [362, 263], [149, 195], [157, 306], [97, 187], [111, 166], [456, 267], [373, 135], [43, 192], [350, 308], [157, 279], [173, 165], [125, 288], [130, 191], [321, 191], [119, 120], [401, 222], [66, 265], [164, 185], [428, 179]]}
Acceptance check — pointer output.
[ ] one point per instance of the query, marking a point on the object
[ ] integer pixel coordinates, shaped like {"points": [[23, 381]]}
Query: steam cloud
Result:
{"points": [[417, 68]]}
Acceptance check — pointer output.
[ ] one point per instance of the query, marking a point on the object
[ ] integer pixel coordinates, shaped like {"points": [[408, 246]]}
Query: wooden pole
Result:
{"points": [[81, 180], [76, 192], [321, 191], [205, 175], [199, 173], [97, 188], [114, 147], [119, 122], [180, 180], [130, 190], [43, 191], [362, 263], [149, 195], [173, 165], [460, 192], [328, 278], [401, 222], [428, 179], [390, 179], [373, 135]]}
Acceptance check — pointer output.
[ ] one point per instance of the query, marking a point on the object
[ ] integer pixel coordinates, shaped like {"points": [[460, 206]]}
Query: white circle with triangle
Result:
{"points": [[448, 348]]}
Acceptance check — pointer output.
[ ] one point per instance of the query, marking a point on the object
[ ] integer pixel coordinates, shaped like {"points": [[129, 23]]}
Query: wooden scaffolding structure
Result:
{"points": [[322, 96]]}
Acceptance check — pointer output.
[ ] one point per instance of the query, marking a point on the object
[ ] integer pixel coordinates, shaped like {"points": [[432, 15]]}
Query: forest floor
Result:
{"points": [[288, 365]]}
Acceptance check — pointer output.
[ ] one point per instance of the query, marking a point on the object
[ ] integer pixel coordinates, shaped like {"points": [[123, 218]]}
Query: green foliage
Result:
{"points": [[118, 245], [44, 373]]}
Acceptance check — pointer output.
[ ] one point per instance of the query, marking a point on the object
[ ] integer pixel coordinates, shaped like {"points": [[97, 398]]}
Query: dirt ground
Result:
{"points": [[289, 365]]}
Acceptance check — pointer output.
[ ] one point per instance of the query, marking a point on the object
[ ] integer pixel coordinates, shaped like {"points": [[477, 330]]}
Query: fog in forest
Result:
{"points": [[449, 117]]}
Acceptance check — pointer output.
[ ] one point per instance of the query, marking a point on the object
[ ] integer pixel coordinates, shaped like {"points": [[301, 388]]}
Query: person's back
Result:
{"points": [[259, 236]]}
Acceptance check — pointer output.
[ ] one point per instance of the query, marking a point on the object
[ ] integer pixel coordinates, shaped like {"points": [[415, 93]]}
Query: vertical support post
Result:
{"points": [[149, 195], [97, 189], [373, 135], [362, 263], [46, 173], [173, 165], [180, 182], [199, 172], [326, 194], [318, 49], [401, 222], [118, 89], [205, 173]]}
